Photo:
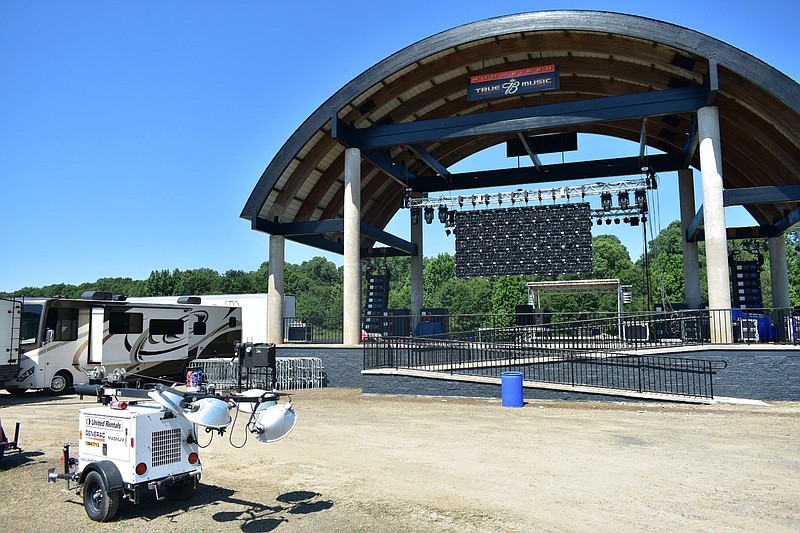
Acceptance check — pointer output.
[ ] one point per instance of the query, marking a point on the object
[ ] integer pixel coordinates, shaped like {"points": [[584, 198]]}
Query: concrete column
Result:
{"points": [[691, 263], [417, 283], [352, 247], [719, 286], [779, 272], [275, 289]]}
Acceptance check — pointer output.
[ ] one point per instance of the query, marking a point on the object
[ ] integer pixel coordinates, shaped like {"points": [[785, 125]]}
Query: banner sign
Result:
{"points": [[513, 82]]}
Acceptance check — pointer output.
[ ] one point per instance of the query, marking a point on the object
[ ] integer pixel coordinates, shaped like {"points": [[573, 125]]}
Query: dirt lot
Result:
{"points": [[386, 463]]}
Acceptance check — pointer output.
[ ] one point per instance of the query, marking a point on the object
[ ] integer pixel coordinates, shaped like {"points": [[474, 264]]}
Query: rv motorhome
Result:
{"points": [[63, 340], [10, 314]]}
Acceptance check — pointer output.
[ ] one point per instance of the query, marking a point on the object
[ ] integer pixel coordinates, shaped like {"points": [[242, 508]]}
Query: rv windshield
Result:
{"points": [[29, 326]]}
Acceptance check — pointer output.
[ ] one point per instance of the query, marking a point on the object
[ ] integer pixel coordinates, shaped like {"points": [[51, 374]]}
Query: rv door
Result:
{"points": [[96, 335]]}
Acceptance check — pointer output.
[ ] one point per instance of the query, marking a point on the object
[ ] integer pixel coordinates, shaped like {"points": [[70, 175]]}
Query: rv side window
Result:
{"points": [[232, 322], [122, 323], [64, 323], [199, 328], [166, 327]]}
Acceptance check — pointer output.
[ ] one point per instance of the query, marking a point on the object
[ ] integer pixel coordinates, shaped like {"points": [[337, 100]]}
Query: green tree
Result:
{"points": [[198, 281], [437, 272], [160, 283], [507, 293]]}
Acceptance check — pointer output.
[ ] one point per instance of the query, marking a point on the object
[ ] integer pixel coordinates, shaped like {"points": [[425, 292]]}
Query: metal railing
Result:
{"points": [[313, 329], [576, 331], [291, 373], [618, 371]]}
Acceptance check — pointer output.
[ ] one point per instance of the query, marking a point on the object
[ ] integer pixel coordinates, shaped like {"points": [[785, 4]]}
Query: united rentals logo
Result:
{"points": [[103, 423], [513, 82]]}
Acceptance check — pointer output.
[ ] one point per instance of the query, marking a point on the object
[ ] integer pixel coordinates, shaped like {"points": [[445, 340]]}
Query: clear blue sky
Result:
{"points": [[132, 133]]}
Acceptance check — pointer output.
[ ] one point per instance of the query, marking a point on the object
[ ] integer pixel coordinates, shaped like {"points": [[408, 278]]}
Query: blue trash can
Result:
{"points": [[511, 385]]}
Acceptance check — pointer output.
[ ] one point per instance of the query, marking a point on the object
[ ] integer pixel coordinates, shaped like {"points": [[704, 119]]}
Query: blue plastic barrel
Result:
{"points": [[511, 385]]}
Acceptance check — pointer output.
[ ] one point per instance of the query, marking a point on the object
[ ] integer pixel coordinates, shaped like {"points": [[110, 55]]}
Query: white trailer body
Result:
{"points": [[140, 434], [63, 339], [254, 310]]}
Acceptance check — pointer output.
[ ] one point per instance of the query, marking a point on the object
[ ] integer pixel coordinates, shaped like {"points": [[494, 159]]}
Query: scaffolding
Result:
{"points": [[292, 373]]}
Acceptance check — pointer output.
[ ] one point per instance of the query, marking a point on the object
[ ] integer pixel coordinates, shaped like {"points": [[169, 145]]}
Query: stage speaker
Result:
{"points": [[524, 315], [636, 332]]}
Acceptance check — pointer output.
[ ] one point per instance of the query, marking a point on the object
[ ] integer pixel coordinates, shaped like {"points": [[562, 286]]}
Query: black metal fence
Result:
{"points": [[619, 371], [574, 331], [313, 330]]}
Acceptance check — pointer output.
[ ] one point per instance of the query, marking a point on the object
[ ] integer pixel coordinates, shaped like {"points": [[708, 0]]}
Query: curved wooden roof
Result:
{"points": [[599, 54]]}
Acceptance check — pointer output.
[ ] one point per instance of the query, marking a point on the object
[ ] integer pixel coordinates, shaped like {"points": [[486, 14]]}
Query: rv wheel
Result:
{"points": [[61, 382], [100, 505]]}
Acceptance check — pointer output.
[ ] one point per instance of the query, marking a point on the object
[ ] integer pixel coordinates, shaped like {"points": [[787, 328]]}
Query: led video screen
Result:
{"points": [[544, 240]]}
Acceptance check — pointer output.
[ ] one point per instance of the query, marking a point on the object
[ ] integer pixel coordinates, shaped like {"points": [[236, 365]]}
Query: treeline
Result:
{"points": [[655, 278]]}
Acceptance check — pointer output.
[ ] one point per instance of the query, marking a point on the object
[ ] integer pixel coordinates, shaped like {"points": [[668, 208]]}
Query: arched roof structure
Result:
{"points": [[615, 69]]}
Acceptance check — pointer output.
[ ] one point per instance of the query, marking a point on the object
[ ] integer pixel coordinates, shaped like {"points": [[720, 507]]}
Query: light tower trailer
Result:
{"points": [[127, 448]]}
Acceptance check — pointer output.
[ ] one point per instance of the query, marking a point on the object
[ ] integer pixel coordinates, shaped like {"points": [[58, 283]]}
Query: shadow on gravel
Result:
{"points": [[15, 459], [254, 517]]}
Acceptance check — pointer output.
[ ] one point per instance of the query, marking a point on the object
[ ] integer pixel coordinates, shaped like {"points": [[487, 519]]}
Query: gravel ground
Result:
{"points": [[390, 463]]}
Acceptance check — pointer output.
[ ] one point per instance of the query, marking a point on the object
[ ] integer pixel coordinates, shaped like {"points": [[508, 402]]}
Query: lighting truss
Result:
{"points": [[521, 196]]}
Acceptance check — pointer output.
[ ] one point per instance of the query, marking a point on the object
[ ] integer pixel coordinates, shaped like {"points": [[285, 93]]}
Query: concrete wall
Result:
{"points": [[759, 374]]}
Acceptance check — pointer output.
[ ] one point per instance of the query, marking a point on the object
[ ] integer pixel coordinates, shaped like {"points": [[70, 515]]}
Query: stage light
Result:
{"points": [[616, 221], [599, 221], [460, 201], [526, 197], [608, 222], [451, 218], [486, 199], [640, 197], [634, 221], [474, 200], [442, 214], [415, 215], [624, 200], [605, 201], [428, 215], [644, 219]]}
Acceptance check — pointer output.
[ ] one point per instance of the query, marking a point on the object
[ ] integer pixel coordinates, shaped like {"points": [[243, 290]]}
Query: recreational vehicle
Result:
{"points": [[63, 340], [10, 314]]}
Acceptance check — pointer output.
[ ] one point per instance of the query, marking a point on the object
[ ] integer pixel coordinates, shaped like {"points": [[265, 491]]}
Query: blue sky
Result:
{"points": [[132, 133]]}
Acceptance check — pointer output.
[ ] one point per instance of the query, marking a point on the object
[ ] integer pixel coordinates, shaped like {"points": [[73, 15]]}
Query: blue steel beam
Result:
{"points": [[310, 231], [693, 231], [629, 106], [761, 195], [604, 168]]}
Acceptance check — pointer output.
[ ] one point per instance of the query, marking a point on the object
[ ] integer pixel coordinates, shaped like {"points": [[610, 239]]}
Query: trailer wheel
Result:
{"points": [[100, 505], [61, 382]]}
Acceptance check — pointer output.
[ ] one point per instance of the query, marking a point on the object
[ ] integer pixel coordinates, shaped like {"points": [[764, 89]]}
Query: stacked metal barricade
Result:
{"points": [[292, 373]]}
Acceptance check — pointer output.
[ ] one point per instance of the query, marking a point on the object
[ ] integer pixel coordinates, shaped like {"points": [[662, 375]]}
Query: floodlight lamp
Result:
{"points": [[605, 201], [428, 215], [624, 200], [442, 214], [640, 197]]}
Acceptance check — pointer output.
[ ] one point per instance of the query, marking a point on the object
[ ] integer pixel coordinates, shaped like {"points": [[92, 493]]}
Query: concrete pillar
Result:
{"points": [[417, 280], [691, 263], [275, 289], [779, 272], [719, 286], [352, 247]]}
